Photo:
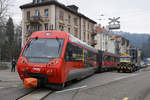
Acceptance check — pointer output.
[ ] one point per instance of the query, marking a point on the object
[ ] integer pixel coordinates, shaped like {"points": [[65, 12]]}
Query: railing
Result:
{"points": [[94, 32], [5, 63], [37, 19], [94, 42]]}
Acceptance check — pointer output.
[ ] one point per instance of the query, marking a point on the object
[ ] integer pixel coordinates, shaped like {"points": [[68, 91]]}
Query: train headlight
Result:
{"points": [[54, 62], [51, 72]]}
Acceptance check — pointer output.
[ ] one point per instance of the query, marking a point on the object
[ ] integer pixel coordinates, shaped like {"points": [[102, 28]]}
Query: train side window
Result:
{"points": [[73, 53], [68, 53]]}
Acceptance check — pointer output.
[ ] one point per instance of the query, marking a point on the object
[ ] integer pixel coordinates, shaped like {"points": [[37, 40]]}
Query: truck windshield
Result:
{"points": [[42, 50], [125, 59]]}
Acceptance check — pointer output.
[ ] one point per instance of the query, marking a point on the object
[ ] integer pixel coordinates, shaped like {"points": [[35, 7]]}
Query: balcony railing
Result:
{"points": [[94, 42], [38, 19], [94, 32]]}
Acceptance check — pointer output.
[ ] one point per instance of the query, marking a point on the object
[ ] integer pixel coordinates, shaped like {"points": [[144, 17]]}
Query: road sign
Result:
{"points": [[145, 59], [114, 23]]}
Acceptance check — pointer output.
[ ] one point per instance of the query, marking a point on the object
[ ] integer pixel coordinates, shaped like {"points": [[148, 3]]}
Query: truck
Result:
{"points": [[129, 62]]}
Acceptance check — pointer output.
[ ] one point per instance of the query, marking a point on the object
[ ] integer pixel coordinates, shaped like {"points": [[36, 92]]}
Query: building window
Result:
{"points": [[37, 13], [88, 36], [51, 27], [68, 30], [69, 19], [46, 12], [46, 26], [76, 32], [84, 25], [61, 15], [35, 1], [92, 27], [75, 21], [28, 15], [84, 36], [37, 27], [28, 28], [40, 1], [61, 27]]}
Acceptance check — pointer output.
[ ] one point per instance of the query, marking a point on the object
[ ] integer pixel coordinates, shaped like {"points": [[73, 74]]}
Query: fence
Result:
{"points": [[5, 63]]}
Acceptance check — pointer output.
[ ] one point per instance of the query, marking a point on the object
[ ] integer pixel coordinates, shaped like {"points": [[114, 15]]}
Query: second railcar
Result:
{"points": [[107, 61]]}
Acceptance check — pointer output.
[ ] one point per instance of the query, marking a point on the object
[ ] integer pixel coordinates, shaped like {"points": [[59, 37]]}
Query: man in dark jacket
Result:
{"points": [[13, 63]]}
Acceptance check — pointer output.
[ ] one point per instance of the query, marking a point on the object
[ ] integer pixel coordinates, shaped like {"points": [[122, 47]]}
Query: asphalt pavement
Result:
{"points": [[102, 86], [11, 87], [108, 86]]}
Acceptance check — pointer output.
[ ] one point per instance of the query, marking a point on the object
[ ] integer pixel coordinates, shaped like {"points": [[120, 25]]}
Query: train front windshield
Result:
{"points": [[43, 50]]}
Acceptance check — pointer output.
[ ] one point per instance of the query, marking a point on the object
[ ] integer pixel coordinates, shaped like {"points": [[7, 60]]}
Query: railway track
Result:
{"points": [[38, 94]]}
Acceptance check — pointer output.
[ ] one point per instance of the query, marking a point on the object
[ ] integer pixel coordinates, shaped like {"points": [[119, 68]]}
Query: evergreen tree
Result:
{"points": [[10, 30]]}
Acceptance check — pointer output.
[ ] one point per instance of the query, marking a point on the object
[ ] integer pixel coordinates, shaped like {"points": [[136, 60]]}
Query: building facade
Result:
{"points": [[42, 15], [112, 46], [123, 45], [102, 38], [111, 43]]}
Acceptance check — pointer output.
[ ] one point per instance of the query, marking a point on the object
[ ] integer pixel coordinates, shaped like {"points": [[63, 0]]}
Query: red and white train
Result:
{"points": [[54, 58]]}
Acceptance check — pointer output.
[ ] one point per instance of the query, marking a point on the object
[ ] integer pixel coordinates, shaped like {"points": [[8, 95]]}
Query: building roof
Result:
{"points": [[97, 28], [31, 5]]}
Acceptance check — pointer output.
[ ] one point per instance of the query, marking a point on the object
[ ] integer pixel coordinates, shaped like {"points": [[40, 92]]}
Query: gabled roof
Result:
{"points": [[53, 2]]}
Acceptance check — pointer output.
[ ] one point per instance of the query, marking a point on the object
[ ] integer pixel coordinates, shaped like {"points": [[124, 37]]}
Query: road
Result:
{"points": [[11, 86], [103, 86], [108, 86]]}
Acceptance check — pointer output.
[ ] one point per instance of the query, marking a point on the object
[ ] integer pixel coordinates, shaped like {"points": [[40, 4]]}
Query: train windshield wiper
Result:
{"points": [[41, 57], [59, 43]]}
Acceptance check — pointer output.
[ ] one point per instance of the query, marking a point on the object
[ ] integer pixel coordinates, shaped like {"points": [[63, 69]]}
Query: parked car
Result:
{"points": [[143, 65]]}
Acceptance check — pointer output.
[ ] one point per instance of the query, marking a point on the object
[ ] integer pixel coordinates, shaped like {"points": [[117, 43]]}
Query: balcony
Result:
{"points": [[94, 42], [94, 32], [37, 20]]}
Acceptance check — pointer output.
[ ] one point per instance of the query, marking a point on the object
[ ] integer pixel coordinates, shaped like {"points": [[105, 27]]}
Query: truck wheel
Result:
{"points": [[118, 71], [131, 70]]}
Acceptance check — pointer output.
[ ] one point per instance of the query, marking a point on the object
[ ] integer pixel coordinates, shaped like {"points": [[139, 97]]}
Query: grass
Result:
{"points": [[3, 67]]}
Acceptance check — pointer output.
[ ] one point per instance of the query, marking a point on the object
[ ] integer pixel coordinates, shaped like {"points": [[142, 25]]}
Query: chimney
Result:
{"points": [[73, 7], [40, 1]]}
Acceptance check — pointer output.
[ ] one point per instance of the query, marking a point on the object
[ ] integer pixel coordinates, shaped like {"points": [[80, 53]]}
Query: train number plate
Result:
{"points": [[36, 69]]}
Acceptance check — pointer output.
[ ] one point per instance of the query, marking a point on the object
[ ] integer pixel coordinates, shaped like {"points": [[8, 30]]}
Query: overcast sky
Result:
{"points": [[135, 14]]}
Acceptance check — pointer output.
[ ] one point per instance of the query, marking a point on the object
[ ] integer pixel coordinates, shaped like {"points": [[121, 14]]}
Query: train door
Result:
{"points": [[73, 58]]}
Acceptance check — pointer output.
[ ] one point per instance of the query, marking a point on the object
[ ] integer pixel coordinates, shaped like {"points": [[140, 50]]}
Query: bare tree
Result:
{"points": [[3, 8]]}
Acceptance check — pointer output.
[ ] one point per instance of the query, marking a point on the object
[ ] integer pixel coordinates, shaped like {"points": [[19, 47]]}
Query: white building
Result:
{"points": [[102, 38], [112, 44]]}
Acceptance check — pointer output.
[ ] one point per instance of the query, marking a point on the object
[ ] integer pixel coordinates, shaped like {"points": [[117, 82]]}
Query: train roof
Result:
{"points": [[61, 34], [108, 53], [48, 34], [83, 44]]}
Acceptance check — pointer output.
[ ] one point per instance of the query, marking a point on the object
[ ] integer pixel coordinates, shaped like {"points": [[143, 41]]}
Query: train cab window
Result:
{"points": [[43, 50], [73, 53]]}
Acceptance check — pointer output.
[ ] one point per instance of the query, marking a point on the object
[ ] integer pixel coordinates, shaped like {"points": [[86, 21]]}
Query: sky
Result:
{"points": [[134, 14]]}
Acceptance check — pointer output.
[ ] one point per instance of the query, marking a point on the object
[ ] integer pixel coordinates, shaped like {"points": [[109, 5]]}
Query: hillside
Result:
{"points": [[135, 39]]}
